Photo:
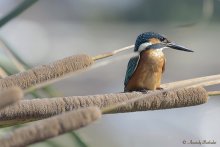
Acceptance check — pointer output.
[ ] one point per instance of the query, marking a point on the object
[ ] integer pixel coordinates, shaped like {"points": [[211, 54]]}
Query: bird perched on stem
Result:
{"points": [[145, 70]]}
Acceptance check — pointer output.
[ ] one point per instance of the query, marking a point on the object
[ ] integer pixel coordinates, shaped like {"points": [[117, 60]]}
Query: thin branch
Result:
{"points": [[12, 56], [79, 140], [18, 10], [105, 55], [112, 60], [213, 93], [191, 82], [207, 83]]}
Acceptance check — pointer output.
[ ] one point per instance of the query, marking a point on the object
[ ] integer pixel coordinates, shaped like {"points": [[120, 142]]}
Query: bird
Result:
{"points": [[145, 70]]}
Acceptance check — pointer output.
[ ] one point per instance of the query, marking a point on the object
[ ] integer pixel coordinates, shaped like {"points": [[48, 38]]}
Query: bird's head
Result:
{"points": [[152, 40]]}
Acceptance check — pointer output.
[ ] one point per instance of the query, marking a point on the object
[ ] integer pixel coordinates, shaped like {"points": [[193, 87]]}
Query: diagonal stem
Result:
{"points": [[105, 55], [15, 12], [13, 57]]}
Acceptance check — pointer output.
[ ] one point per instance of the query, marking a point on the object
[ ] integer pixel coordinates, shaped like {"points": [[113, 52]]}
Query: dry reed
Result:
{"points": [[51, 127], [28, 110], [105, 55], [10, 96], [213, 93], [201, 81]]}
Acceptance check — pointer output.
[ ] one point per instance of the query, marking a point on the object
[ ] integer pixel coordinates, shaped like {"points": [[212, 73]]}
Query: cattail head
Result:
{"points": [[51, 127], [44, 73]]}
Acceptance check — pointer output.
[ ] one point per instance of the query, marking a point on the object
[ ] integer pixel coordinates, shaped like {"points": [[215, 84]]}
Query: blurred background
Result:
{"points": [[54, 29]]}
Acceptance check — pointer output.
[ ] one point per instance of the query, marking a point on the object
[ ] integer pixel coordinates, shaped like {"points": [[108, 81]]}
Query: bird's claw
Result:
{"points": [[160, 88], [145, 91]]}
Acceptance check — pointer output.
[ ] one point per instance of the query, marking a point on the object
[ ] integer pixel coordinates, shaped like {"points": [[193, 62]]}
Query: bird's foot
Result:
{"points": [[142, 90], [159, 88]]}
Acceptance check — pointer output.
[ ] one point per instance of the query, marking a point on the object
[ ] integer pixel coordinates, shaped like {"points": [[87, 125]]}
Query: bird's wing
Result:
{"points": [[163, 68], [132, 65]]}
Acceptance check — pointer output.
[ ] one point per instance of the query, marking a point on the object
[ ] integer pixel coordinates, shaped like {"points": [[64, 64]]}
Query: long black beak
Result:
{"points": [[178, 47]]}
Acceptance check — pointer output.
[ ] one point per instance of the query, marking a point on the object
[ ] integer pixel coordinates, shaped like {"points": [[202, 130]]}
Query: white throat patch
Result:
{"points": [[143, 46], [147, 44]]}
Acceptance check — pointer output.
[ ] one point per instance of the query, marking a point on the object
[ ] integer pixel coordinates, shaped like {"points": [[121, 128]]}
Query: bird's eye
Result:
{"points": [[164, 40]]}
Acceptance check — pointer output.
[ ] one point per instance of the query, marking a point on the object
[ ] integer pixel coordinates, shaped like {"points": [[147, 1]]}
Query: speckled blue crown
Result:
{"points": [[142, 38]]}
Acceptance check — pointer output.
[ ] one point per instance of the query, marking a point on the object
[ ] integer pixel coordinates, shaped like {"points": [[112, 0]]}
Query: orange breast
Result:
{"points": [[148, 72]]}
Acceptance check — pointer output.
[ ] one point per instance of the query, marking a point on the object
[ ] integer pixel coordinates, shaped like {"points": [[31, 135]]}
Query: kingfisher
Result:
{"points": [[145, 70]]}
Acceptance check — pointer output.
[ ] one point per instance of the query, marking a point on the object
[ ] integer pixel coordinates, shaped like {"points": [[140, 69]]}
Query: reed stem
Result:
{"points": [[105, 55], [214, 93]]}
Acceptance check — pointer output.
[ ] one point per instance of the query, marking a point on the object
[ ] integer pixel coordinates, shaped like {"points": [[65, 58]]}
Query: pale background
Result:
{"points": [[54, 29]]}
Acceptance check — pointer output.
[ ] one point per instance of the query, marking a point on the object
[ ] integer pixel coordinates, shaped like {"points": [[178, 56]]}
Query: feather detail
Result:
{"points": [[132, 65]]}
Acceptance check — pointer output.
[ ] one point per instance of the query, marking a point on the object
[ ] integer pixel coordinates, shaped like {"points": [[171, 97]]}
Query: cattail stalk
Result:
{"points": [[51, 127], [29, 110]]}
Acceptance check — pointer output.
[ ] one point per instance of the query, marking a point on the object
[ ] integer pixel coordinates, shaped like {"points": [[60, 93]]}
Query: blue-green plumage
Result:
{"points": [[132, 65]]}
